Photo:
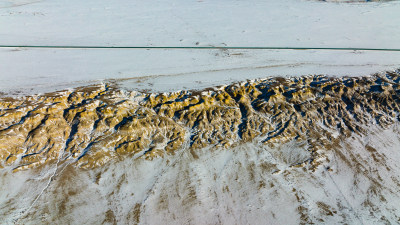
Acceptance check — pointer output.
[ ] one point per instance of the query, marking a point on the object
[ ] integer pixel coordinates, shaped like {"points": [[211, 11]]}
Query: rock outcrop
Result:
{"points": [[92, 125]]}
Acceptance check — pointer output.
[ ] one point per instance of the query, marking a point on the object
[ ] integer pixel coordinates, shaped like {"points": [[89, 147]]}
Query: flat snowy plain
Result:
{"points": [[294, 23]]}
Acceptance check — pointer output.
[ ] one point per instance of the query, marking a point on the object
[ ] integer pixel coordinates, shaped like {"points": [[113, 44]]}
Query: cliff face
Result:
{"points": [[93, 125]]}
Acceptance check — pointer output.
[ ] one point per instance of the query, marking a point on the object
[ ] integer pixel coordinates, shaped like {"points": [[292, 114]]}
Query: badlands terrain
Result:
{"points": [[323, 150], [199, 136]]}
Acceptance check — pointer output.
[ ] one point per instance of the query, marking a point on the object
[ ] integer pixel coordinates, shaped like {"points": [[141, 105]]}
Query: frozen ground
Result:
{"points": [[203, 22], [297, 23], [358, 182], [45, 70], [249, 184]]}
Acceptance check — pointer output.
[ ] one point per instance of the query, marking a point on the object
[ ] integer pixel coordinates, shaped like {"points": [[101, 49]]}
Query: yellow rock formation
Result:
{"points": [[93, 125]]}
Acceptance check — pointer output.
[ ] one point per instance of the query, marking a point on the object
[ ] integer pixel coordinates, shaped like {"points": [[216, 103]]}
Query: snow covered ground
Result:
{"points": [[45, 70], [207, 23], [218, 186], [212, 186], [298, 23]]}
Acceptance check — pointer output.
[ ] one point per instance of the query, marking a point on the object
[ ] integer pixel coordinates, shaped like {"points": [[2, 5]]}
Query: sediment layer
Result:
{"points": [[90, 126]]}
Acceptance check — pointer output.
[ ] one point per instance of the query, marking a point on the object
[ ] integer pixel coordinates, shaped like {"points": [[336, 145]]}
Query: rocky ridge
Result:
{"points": [[92, 125]]}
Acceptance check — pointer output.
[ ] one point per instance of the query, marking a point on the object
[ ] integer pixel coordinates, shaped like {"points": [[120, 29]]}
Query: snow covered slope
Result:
{"points": [[220, 186], [277, 151], [305, 150]]}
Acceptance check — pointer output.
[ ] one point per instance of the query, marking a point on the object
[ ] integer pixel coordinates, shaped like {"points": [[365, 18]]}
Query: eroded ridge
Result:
{"points": [[92, 125]]}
